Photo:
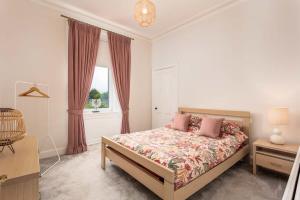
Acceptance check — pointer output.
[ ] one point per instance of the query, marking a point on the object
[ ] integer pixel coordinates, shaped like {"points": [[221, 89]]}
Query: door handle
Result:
{"points": [[155, 108]]}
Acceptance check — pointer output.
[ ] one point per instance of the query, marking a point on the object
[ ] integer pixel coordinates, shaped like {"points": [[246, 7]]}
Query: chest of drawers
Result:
{"points": [[20, 172]]}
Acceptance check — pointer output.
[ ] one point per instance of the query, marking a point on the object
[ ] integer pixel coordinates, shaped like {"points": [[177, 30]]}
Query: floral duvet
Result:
{"points": [[188, 154]]}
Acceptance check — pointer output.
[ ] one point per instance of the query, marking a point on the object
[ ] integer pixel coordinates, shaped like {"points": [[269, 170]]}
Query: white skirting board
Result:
{"points": [[52, 153], [62, 150], [93, 141]]}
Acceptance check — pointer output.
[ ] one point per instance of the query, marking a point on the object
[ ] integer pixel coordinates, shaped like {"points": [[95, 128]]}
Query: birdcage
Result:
{"points": [[12, 128]]}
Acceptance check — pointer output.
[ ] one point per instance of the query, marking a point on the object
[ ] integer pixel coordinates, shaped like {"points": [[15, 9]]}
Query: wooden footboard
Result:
{"points": [[158, 178], [142, 169]]}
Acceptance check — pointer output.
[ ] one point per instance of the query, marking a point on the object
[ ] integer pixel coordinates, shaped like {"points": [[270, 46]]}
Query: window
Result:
{"points": [[99, 96], [102, 84]]}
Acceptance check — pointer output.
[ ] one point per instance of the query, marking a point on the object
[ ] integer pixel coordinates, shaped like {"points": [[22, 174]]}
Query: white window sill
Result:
{"points": [[88, 114]]}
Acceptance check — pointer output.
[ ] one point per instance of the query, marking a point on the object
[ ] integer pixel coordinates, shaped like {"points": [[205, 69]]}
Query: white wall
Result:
{"points": [[33, 47], [246, 57]]}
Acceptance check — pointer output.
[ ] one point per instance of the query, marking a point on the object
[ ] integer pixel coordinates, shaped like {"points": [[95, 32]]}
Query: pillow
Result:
{"points": [[168, 126], [241, 137], [195, 120], [194, 124], [211, 127], [230, 127], [181, 122]]}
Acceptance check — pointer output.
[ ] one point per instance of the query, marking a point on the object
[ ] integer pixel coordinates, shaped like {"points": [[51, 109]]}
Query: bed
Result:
{"points": [[175, 164]]}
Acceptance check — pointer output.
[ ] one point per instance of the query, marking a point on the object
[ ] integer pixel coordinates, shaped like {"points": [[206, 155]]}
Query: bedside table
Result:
{"points": [[279, 158]]}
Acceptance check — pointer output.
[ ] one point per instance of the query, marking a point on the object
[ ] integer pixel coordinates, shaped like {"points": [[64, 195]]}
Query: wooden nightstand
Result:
{"points": [[279, 158]]}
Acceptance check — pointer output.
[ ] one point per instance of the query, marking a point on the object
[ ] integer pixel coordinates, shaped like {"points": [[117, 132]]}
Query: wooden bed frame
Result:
{"points": [[160, 179]]}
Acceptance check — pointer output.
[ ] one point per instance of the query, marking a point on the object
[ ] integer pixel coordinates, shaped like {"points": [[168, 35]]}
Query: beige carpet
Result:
{"points": [[80, 177]]}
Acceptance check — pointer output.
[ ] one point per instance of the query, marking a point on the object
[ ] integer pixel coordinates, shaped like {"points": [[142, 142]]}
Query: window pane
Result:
{"points": [[99, 89]]}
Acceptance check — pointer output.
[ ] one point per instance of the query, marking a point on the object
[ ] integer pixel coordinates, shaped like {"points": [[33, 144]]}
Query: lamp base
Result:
{"points": [[277, 139]]}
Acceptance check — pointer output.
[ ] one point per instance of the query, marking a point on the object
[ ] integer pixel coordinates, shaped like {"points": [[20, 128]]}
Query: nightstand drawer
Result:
{"points": [[276, 164]]}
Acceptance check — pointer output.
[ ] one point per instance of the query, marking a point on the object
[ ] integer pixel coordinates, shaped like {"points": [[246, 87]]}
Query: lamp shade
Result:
{"points": [[145, 12], [279, 116]]}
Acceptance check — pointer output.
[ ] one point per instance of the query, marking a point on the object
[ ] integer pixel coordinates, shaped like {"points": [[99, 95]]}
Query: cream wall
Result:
{"points": [[245, 57], [33, 47]]}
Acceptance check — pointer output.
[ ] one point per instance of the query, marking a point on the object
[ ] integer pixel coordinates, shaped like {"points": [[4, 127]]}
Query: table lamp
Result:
{"points": [[278, 117]]}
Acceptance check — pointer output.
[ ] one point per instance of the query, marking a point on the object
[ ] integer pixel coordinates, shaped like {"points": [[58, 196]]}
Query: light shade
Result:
{"points": [[144, 12], [279, 116]]}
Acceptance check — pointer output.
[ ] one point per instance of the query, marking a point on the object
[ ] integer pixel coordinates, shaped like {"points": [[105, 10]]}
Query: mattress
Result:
{"points": [[188, 154]]}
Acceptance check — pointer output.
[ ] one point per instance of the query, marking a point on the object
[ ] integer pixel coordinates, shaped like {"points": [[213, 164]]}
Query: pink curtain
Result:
{"points": [[120, 50], [82, 53]]}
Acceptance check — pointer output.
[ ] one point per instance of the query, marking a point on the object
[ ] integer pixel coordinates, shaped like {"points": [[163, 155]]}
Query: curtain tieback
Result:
{"points": [[75, 112]]}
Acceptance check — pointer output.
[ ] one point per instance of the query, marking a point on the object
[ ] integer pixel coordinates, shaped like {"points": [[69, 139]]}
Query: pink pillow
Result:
{"points": [[211, 127], [181, 122], [168, 125]]}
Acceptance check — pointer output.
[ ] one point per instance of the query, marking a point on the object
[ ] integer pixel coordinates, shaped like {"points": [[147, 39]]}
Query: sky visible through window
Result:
{"points": [[100, 79]]}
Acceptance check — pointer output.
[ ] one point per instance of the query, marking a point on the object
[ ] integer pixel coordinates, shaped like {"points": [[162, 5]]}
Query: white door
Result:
{"points": [[164, 95]]}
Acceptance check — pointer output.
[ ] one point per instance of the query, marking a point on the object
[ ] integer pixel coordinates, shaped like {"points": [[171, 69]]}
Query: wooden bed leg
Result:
{"points": [[103, 155], [168, 190], [254, 159]]}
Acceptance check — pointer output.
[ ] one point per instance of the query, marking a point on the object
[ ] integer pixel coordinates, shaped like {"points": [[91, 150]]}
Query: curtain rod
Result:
{"points": [[94, 25]]}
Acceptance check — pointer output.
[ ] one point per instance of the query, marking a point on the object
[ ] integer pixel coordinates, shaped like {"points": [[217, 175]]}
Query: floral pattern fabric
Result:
{"points": [[194, 124], [188, 154], [230, 127]]}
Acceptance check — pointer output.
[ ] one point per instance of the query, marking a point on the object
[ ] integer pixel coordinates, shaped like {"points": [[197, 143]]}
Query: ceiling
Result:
{"points": [[170, 15]]}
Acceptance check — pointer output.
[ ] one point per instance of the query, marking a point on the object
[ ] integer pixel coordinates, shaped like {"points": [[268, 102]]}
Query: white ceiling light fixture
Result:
{"points": [[145, 12]]}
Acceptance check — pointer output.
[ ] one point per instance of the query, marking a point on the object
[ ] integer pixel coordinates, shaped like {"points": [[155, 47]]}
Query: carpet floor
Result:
{"points": [[80, 177]]}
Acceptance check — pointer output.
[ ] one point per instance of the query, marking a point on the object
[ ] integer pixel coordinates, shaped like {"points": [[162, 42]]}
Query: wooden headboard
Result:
{"points": [[243, 117]]}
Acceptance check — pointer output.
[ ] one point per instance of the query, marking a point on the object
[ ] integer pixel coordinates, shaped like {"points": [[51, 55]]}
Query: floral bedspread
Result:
{"points": [[188, 154]]}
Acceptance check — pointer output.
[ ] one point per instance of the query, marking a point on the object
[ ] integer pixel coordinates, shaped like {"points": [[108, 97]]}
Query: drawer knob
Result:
{"points": [[3, 178]]}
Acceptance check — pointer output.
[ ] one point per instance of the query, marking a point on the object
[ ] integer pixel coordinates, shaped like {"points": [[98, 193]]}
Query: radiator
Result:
{"points": [[292, 190]]}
